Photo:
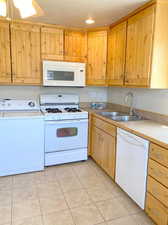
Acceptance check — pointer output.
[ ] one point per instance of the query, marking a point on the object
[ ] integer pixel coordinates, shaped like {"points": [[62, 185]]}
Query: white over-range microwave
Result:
{"points": [[56, 73]]}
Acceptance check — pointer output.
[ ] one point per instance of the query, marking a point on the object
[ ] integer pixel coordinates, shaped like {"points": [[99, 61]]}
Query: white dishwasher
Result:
{"points": [[131, 165]]}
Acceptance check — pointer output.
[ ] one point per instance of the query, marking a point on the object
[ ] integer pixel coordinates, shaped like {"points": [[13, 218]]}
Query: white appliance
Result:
{"points": [[57, 73], [131, 165], [22, 137], [66, 129]]}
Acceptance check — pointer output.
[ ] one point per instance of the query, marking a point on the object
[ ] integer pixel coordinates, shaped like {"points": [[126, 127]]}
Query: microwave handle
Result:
{"points": [[66, 121]]}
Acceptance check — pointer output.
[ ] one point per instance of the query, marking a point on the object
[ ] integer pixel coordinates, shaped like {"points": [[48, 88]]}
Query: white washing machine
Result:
{"points": [[21, 137]]}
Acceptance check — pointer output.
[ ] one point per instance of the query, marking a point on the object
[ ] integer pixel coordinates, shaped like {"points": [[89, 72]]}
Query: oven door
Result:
{"points": [[60, 75], [66, 135]]}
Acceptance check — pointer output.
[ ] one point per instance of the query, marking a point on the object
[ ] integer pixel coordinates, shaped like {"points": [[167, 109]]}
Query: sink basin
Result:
{"points": [[111, 114], [126, 118], [118, 116]]}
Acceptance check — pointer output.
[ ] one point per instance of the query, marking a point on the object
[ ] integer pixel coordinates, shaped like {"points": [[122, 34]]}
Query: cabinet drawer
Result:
{"points": [[158, 172], [156, 210], [159, 154], [108, 128], [157, 190]]}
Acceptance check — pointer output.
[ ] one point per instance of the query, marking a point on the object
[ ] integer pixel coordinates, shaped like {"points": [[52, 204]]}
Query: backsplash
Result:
{"points": [[87, 94], [145, 99]]}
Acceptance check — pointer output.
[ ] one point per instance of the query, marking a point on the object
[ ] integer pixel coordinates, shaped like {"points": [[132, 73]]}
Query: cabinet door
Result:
{"points": [[52, 43], [139, 48], [109, 154], [5, 58], [96, 145], [116, 55], [97, 56], [75, 46], [26, 60]]}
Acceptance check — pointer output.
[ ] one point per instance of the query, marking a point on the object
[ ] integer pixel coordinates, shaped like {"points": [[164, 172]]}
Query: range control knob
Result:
{"points": [[31, 104]]}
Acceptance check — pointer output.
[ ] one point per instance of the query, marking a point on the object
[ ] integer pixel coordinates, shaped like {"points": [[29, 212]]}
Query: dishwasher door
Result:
{"points": [[131, 165]]}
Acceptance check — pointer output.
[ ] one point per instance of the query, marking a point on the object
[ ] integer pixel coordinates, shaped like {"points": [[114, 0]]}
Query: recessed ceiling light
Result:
{"points": [[89, 21]]}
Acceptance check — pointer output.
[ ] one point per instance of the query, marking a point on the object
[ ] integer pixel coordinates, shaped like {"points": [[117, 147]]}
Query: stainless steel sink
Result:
{"points": [[111, 114], [118, 116], [126, 118]]}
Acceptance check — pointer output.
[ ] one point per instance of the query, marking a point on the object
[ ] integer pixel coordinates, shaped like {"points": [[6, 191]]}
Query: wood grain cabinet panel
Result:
{"points": [[116, 55], [159, 154], [52, 43], [140, 34], [156, 210], [97, 58], [26, 60], [159, 191], [108, 128], [109, 155], [103, 146], [159, 172], [96, 145], [5, 58], [75, 46]]}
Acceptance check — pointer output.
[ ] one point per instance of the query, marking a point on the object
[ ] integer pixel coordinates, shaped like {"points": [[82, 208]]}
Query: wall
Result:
{"points": [[86, 94], [146, 99]]}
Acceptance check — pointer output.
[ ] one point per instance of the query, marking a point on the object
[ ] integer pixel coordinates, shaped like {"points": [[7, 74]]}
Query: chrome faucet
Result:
{"points": [[130, 96]]}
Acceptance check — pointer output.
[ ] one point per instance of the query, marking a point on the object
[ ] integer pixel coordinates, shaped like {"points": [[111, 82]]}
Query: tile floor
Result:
{"points": [[72, 194]]}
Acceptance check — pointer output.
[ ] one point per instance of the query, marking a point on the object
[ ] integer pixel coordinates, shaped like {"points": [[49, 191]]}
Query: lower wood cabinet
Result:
{"points": [[103, 149], [156, 210], [157, 185]]}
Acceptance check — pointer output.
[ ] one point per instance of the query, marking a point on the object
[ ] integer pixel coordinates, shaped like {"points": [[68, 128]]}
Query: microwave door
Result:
{"points": [[55, 76]]}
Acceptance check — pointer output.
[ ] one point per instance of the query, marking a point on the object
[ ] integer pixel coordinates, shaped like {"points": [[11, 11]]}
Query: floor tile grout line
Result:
{"points": [[67, 204]]}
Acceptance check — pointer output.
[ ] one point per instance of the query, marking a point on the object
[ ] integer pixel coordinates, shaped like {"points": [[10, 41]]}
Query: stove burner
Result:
{"points": [[53, 110], [72, 110]]}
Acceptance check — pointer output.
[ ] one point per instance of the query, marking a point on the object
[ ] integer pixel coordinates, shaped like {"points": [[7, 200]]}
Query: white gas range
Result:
{"points": [[66, 129]]}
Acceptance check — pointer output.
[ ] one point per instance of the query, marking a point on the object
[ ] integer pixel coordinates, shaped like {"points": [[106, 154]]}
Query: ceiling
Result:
{"points": [[73, 13]]}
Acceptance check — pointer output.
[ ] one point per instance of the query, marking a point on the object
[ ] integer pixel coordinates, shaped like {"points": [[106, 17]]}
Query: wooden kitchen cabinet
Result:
{"points": [[157, 185], [97, 58], [140, 33], [52, 43], [5, 59], [103, 149], [75, 46], [116, 55], [156, 210], [97, 145], [26, 60]]}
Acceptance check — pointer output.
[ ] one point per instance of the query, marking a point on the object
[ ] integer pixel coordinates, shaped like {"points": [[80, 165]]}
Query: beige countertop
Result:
{"points": [[148, 129]]}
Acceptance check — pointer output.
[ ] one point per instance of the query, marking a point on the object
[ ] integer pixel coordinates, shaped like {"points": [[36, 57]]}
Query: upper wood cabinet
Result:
{"points": [[26, 60], [116, 55], [97, 58], [140, 34], [75, 46], [52, 43], [5, 59]]}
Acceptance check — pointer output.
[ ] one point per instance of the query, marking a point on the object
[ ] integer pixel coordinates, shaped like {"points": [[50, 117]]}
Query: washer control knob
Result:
{"points": [[31, 104]]}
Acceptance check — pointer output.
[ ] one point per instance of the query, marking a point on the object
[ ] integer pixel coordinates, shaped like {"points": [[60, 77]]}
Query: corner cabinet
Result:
{"points": [[103, 145], [146, 49], [26, 58], [97, 58], [75, 46], [116, 55], [5, 58], [52, 43], [140, 33]]}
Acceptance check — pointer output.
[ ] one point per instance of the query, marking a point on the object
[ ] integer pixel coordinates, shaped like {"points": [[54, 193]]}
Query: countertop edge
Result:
{"points": [[122, 126]]}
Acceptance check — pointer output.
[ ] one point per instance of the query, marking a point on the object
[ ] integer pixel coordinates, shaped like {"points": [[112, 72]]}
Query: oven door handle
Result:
{"points": [[66, 121]]}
